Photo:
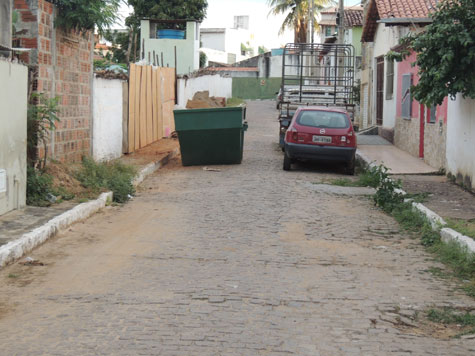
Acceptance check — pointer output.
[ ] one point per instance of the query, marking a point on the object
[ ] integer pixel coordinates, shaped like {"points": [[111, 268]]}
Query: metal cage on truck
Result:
{"points": [[317, 74]]}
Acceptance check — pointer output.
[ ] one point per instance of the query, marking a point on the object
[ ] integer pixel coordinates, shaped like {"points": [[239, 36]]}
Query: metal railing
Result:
{"points": [[318, 74]]}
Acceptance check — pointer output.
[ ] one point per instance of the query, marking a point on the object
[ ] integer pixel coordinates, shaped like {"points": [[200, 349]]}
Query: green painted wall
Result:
{"points": [[356, 41], [187, 49], [256, 88]]}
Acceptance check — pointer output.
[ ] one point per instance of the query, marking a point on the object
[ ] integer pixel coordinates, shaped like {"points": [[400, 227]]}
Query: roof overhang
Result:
{"points": [[370, 23], [393, 21]]}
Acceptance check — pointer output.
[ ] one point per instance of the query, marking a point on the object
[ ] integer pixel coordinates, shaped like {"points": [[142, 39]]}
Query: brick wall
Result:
{"points": [[63, 64]]}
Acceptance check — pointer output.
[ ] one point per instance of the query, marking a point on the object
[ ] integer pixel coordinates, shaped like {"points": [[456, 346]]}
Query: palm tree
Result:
{"points": [[297, 15]]}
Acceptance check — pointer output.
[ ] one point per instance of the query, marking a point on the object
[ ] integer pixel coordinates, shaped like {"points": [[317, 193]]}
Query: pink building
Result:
{"points": [[420, 130]]}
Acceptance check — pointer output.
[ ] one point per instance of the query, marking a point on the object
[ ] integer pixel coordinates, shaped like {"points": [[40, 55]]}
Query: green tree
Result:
{"points": [[167, 10], [85, 15], [297, 12], [122, 43], [446, 53]]}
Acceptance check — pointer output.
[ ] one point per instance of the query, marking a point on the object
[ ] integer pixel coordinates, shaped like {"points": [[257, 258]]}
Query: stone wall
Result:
{"points": [[434, 145], [406, 135], [62, 62]]}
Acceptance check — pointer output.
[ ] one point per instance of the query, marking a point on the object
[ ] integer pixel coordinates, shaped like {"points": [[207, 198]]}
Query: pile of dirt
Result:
{"points": [[63, 177], [202, 100]]}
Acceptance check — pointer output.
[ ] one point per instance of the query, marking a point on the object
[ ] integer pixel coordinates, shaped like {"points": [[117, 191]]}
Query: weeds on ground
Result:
{"points": [[115, 176], [366, 178], [39, 186], [465, 227], [391, 200], [451, 316], [63, 193], [457, 257], [464, 319]]}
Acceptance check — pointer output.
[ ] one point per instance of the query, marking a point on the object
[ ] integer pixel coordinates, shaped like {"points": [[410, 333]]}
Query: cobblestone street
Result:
{"points": [[248, 260]]}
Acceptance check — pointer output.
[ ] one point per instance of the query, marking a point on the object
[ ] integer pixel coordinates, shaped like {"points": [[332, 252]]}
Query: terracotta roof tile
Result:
{"points": [[405, 8], [354, 18]]}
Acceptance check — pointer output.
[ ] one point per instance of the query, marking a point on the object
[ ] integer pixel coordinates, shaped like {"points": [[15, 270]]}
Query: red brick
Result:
{"points": [[25, 58], [20, 4], [29, 42], [27, 16]]}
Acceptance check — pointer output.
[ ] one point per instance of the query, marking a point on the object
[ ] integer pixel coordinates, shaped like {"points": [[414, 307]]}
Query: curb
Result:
{"points": [[153, 167], [437, 223], [14, 250]]}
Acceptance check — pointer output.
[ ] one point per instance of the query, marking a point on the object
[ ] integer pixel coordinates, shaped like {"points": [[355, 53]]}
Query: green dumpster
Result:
{"points": [[211, 136]]}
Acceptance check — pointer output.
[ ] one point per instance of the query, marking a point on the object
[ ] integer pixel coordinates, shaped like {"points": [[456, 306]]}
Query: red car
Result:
{"points": [[320, 133]]}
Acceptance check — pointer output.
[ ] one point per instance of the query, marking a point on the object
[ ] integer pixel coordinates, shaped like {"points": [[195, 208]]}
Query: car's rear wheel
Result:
{"points": [[350, 167], [287, 162]]}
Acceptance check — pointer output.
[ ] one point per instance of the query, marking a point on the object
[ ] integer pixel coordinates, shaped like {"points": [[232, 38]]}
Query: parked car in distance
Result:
{"points": [[320, 134]]}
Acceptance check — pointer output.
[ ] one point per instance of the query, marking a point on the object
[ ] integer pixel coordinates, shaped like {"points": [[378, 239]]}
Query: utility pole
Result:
{"points": [[312, 18], [310, 27], [341, 24]]}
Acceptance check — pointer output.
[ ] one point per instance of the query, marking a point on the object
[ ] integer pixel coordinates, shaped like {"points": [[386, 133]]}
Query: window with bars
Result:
{"points": [[433, 114], [406, 103], [328, 31], [389, 79]]}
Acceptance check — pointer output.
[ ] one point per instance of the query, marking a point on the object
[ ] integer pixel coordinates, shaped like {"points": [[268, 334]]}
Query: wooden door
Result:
{"points": [[379, 89]]}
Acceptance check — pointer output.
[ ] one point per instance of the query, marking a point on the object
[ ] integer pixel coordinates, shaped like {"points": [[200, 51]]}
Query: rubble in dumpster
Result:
{"points": [[202, 100]]}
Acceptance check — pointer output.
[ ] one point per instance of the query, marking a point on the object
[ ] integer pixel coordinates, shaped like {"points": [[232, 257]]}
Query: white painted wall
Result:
{"points": [[13, 104], [214, 40], [460, 146], [215, 84], [228, 41], [107, 120], [385, 39], [276, 67], [215, 55]]}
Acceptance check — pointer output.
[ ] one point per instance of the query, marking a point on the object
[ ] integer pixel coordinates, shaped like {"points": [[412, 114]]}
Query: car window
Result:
{"points": [[326, 119]]}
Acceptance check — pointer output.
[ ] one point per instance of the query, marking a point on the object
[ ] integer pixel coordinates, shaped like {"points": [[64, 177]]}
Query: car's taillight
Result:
{"points": [[348, 139], [292, 134]]}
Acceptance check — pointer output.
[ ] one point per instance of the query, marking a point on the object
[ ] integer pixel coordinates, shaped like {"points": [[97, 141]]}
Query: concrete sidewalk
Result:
{"points": [[380, 151], [22, 230], [444, 199]]}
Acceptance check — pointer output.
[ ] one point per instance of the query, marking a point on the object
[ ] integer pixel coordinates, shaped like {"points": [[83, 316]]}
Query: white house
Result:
{"points": [[224, 45]]}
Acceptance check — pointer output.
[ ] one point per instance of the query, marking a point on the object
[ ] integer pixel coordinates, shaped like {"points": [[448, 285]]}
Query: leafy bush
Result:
{"points": [[116, 177], [38, 186], [41, 120], [387, 196], [85, 15]]}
